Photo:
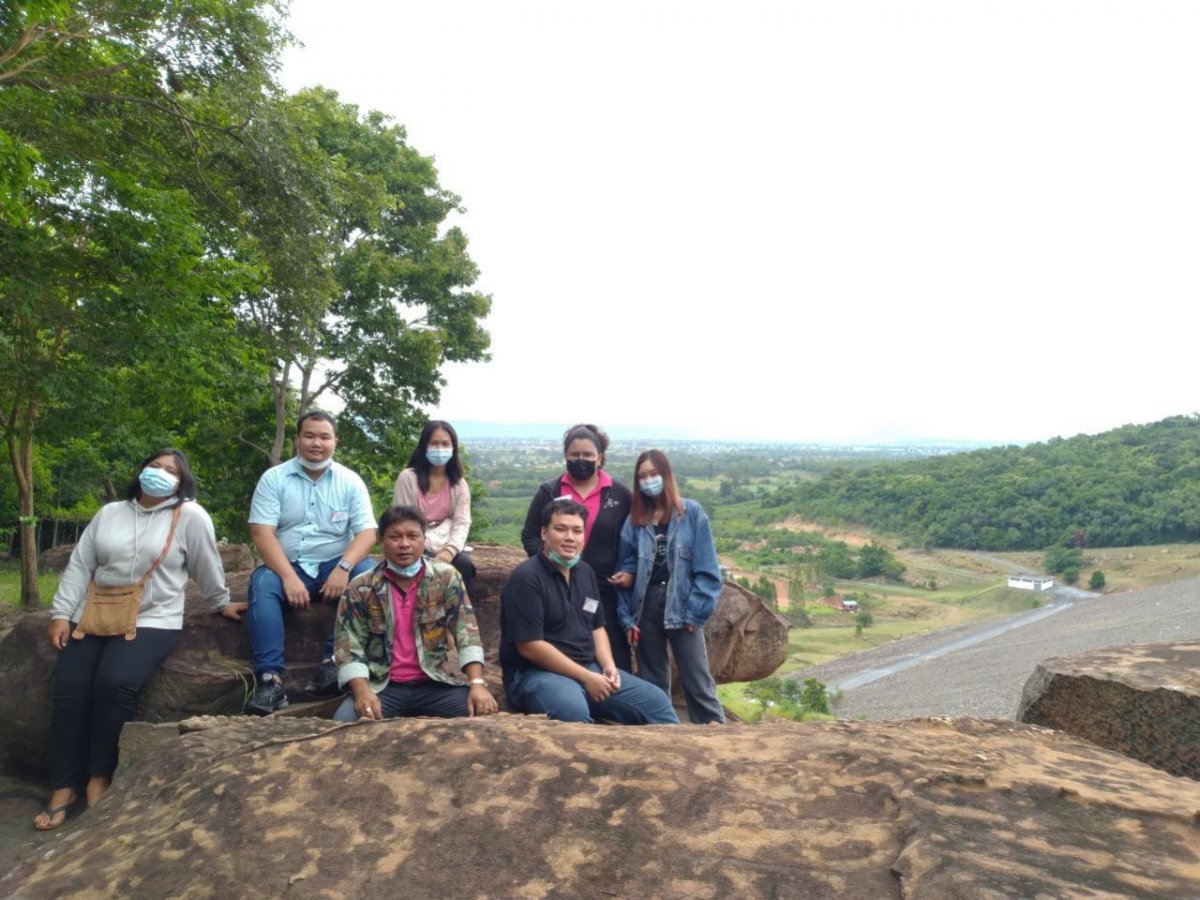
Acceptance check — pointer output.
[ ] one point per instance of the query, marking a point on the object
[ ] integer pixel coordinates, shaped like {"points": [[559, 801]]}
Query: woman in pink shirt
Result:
{"points": [[435, 484], [607, 503]]}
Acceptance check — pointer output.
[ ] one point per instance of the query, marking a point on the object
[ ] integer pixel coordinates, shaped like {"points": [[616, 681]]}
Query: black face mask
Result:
{"points": [[581, 469]]}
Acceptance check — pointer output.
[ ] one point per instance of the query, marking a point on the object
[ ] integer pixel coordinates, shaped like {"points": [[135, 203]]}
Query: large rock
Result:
{"points": [[211, 671], [746, 639], [1142, 700], [511, 806]]}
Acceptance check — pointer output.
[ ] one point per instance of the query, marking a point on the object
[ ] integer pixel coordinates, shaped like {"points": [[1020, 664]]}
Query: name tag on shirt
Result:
{"points": [[590, 604], [339, 516]]}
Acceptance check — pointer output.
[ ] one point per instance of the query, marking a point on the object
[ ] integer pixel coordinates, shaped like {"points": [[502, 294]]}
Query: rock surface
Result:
{"points": [[211, 671], [1142, 700], [511, 806]]}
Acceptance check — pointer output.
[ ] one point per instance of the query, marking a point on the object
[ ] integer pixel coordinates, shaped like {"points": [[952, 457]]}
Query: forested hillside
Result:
{"points": [[1139, 484]]}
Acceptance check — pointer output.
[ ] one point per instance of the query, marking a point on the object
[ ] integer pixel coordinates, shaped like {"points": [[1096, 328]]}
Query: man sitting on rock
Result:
{"points": [[553, 646], [396, 626], [312, 524]]}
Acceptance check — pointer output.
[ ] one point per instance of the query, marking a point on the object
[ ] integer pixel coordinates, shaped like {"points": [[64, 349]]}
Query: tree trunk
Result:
{"points": [[20, 454], [279, 387]]}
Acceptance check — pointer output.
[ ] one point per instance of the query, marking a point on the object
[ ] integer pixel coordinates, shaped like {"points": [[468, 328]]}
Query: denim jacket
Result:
{"points": [[695, 574], [444, 625]]}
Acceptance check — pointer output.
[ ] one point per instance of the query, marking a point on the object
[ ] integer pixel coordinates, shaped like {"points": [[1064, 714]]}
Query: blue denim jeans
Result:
{"points": [[638, 702], [264, 618]]}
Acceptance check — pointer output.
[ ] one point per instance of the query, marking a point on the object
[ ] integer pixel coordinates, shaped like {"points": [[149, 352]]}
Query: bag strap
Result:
{"points": [[166, 547]]}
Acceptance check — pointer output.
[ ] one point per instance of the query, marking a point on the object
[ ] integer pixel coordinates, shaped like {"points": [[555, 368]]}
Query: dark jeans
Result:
{"points": [[691, 659], [96, 683], [420, 698], [622, 657]]}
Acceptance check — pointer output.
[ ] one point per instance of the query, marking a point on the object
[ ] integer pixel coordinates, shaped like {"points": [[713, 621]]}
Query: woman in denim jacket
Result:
{"points": [[670, 580]]}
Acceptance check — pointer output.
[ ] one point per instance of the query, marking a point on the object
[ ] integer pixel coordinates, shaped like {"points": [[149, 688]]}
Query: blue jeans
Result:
{"points": [[638, 702], [264, 618]]}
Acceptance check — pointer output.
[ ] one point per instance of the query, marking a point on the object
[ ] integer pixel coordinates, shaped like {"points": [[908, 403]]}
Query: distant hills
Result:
{"points": [[1139, 484]]}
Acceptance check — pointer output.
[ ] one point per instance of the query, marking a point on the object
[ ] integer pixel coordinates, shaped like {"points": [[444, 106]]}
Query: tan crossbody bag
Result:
{"points": [[110, 611]]}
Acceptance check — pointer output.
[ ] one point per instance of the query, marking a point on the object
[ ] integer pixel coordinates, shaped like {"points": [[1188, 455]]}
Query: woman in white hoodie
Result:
{"points": [[97, 679]]}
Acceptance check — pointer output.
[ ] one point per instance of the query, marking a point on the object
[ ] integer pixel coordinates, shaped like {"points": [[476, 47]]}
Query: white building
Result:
{"points": [[1031, 582]]}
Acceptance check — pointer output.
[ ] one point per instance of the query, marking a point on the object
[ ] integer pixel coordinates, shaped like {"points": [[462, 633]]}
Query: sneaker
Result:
{"points": [[324, 681], [268, 696]]}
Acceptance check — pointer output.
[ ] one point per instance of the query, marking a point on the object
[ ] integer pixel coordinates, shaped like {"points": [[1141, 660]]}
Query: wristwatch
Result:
{"points": [[345, 566]]}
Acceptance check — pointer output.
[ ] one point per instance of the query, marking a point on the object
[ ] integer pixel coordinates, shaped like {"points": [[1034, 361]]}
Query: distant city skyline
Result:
{"points": [[939, 220]]}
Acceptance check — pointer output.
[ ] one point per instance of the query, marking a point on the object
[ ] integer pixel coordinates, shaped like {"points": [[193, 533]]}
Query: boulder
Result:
{"points": [[236, 557], [1142, 700], [211, 672], [55, 559], [514, 806]]}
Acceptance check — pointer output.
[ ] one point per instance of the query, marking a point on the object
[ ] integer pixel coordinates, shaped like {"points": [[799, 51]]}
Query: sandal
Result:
{"points": [[52, 814]]}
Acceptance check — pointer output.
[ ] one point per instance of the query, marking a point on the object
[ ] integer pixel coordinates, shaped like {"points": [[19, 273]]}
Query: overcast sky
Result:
{"points": [[827, 221]]}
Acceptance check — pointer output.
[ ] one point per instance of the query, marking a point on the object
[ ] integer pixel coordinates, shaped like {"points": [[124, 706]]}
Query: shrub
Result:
{"points": [[1070, 574], [1096, 582]]}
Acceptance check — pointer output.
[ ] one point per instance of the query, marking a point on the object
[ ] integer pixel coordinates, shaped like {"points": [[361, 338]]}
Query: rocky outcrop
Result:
{"points": [[211, 671], [1142, 700], [511, 806], [234, 557]]}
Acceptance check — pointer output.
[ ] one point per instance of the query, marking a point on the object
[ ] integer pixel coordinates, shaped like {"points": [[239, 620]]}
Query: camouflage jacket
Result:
{"points": [[447, 634]]}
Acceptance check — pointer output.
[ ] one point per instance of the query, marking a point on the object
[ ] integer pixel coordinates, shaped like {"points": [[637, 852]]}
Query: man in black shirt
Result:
{"points": [[553, 646]]}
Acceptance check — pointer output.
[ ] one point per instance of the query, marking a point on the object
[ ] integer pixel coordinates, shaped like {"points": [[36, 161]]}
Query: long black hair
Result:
{"points": [[187, 483], [421, 465]]}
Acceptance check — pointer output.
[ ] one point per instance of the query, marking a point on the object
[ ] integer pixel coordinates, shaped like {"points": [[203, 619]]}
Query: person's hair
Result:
{"points": [[319, 416], [187, 483], [563, 506], [419, 464], [643, 508], [586, 432], [395, 514]]}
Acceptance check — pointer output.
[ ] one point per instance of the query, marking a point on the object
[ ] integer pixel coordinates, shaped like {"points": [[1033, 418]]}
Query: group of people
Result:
{"points": [[613, 576]]}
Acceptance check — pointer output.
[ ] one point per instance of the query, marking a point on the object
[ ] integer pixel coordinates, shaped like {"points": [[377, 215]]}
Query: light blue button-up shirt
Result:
{"points": [[314, 521]]}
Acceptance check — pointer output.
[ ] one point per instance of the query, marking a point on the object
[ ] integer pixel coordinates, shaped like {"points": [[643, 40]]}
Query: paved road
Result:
{"points": [[980, 669]]}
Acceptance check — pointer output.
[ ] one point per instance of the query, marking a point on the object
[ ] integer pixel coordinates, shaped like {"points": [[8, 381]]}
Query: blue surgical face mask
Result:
{"points": [[157, 482], [405, 571], [565, 563], [651, 487], [439, 456]]}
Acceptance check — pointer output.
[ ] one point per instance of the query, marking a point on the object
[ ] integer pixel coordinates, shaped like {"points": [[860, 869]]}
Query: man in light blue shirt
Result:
{"points": [[312, 523]]}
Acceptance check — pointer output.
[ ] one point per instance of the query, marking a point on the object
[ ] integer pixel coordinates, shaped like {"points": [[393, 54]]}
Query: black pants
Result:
{"points": [[466, 568], [422, 698], [612, 627], [96, 682]]}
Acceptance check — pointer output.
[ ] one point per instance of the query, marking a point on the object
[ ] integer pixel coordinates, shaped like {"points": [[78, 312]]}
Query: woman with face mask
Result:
{"points": [[670, 581], [157, 537], [435, 484], [607, 503]]}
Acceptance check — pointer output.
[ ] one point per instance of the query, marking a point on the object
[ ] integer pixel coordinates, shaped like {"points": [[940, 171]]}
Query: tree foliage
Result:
{"points": [[1139, 484]]}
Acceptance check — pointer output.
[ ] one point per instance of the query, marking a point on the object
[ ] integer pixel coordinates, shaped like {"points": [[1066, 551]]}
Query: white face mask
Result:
{"points": [[318, 466]]}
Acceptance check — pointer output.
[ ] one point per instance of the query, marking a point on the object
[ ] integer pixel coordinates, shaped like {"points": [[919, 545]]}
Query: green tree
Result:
{"points": [[385, 301], [1071, 574], [106, 109], [1097, 581]]}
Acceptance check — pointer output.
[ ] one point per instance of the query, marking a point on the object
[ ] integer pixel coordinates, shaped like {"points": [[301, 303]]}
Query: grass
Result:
{"points": [[10, 584]]}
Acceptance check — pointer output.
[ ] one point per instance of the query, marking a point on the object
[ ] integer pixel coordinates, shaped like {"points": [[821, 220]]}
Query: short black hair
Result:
{"points": [[187, 483], [563, 506], [400, 514], [319, 416], [419, 464]]}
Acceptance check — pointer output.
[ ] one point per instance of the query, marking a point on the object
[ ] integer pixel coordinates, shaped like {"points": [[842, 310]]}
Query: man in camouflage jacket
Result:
{"points": [[444, 631]]}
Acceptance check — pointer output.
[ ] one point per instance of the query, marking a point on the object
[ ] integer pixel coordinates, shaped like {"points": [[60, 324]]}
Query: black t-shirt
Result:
{"points": [[660, 573], [537, 604]]}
